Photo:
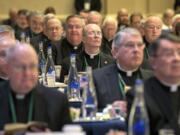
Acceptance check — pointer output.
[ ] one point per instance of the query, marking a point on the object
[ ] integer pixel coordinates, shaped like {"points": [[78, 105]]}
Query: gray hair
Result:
{"points": [[7, 29], [35, 13], [109, 19], [85, 29], [150, 18], [121, 35], [47, 18]]}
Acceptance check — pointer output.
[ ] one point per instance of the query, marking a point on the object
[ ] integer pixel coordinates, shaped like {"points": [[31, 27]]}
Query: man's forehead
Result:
{"points": [[166, 44], [74, 20]]}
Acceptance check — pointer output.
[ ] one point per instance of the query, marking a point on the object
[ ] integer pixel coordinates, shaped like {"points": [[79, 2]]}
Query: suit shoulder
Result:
{"points": [[103, 70], [51, 92]]}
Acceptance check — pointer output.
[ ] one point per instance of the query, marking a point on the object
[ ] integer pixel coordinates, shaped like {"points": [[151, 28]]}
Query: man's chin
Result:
{"points": [[26, 89]]}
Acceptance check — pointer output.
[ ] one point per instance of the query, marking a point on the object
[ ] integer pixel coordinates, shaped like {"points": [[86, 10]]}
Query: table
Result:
{"points": [[101, 127]]}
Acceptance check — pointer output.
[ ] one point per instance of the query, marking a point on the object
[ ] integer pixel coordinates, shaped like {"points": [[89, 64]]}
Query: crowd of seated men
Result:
{"points": [[119, 50]]}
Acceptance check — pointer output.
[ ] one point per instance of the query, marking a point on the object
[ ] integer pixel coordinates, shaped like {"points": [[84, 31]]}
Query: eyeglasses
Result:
{"points": [[94, 33], [23, 68], [132, 45], [54, 28], [152, 27], [74, 26]]}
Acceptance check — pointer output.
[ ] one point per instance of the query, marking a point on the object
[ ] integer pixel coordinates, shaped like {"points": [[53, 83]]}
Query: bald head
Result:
{"points": [[54, 29], [152, 28], [94, 17], [122, 17], [151, 19], [22, 67], [21, 49]]}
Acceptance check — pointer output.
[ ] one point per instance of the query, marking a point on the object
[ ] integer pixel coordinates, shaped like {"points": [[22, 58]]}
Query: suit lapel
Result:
{"points": [[112, 78], [4, 105], [80, 62], [163, 103]]}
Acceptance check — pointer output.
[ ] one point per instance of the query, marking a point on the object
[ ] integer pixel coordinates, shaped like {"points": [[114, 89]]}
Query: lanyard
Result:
{"points": [[12, 107], [122, 86], [86, 63]]}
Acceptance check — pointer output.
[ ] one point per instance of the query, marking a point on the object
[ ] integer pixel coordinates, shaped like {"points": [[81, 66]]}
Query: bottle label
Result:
{"points": [[51, 79], [90, 111], [139, 127], [74, 91]]}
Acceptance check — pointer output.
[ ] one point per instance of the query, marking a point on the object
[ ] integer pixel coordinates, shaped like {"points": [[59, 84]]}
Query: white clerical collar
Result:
{"points": [[92, 55], [20, 96], [75, 47], [128, 72], [173, 87], [4, 78]]}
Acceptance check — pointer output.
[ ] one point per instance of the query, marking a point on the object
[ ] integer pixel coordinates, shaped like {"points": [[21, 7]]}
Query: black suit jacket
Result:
{"points": [[36, 40], [106, 46], [107, 84], [80, 63], [51, 106], [159, 106], [64, 50]]}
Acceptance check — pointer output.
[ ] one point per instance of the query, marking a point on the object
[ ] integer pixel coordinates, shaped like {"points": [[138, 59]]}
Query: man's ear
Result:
{"points": [[114, 52]]}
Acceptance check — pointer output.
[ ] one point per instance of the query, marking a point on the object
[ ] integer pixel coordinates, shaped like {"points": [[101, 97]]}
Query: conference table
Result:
{"points": [[101, 127]]}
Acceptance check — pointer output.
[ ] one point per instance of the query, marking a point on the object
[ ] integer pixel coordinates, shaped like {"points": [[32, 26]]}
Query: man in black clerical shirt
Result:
{"points": [[23, 99], [152, 30], [7, 40], [162, 92], [73, 41], [111, 81], [109, 29], [91, 56]]}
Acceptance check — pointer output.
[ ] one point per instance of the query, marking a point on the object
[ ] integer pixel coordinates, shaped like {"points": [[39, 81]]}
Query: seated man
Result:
{"points": [[91, 56], [72, 43], [22, 99], [109, 29], [162, 92], [7, 40], [112, 80]]}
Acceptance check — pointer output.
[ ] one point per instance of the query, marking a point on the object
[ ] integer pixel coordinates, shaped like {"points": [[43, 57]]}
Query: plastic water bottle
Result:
{"points": [[138, 119], [42, 63], [89, 107], [73, 89], [50, 69]]}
